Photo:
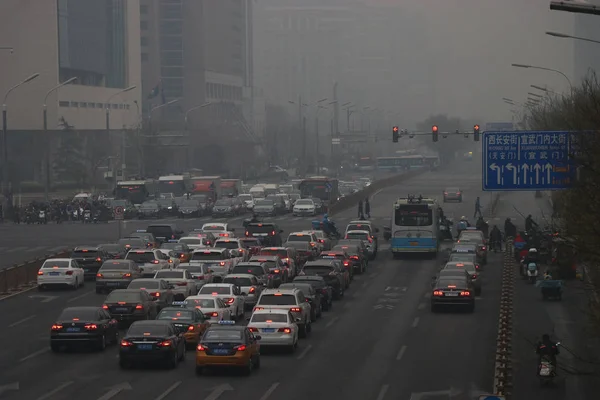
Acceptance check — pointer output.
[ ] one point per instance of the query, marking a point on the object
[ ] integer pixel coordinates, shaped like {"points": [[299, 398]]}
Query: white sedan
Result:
{"points": [[277, 327], [60, 272], [212, 307], [230, 294], [193, 242], [173, 259]]}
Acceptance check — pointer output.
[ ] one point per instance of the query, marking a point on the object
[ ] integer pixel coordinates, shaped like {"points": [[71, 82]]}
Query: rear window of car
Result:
{"points": [[141, 257], [207, 255], [262, 228], [238, 281], [301, 246], [277, 300], [356, 235], [84, 254], [244, 269], [175, 315], [461, 257], [129, 297], [191, 240], [454, 281], [213, 228], [169, 274], [147, 330], [115, 265], [200, 303], [269, 318], [56, 264], [215, 290], [147, 284], [274, 252], [299, 238], [317, 269], [250, 242], [82, 314], [221, 244], [358, 227], [223, 335]]}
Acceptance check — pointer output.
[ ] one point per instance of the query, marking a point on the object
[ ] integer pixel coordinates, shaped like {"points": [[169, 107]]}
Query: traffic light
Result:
{"points": [[395, 134], [476, 133], [434, 133]]}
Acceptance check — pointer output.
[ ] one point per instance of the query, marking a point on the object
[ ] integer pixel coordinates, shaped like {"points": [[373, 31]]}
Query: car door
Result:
{"points": [[166, 288], [239, 298], [149, 304], [111, 326], [191, 284]]}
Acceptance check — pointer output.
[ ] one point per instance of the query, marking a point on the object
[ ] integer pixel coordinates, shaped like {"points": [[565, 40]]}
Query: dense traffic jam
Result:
{"points": [[168, 291]]}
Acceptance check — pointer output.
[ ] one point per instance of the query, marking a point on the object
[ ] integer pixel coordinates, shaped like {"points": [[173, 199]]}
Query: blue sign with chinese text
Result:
{"points": [[526, 160]]}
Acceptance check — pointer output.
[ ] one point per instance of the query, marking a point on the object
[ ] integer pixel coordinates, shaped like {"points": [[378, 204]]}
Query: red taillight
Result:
{"points": [[370, 240], [56, 327], [284, 330], [247, 233], [465, 293], [476, 266], [252, 290], [482, 247], [98, 259], [99, 275], [139, 307], [201, 277], [273, 233], [354, 257], [155, 262], [126, 343], [222, 263], [253, 329], [213, 314], [40, 273], [457, 192], [190, 328], [474, 276], [438, 293], [104, 306], [165, 343], [257, 308], [91, 327], [181, 255], [295, 309], [321, 240], [229, 301], [69, 273], [312, 244], [445, 192], [240, 347], [157, 294], [276, 271], [127, 275], [200, 348], [172, 236], [346, 263]]}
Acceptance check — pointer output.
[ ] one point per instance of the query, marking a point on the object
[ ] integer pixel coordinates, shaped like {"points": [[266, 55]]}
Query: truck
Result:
{"points": [[271, 188], [207, 185], [231, 187]]}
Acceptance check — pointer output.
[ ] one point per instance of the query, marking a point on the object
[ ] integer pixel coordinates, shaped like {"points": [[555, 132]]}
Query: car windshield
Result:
{"points": [[83, 314], [207, 256], [248, 269], [84, 254], [214, 290], [223, 202], [175, 315], [357, 235], [169, 274], [213, 228], [299, 238], [241, 282], [115, 265], [191, 240], [264, 202], [56, 264], [144, 284], [224, 244], [146, 329], [304, 202], [264, 317], [128, 297], [278, 299], [223, 335], [141, 257]]}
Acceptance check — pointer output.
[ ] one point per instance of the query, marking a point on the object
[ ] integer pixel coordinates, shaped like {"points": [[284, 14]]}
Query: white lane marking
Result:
{"points": [[382, 392], [415, 322], [80, 296], [401, 353], [16, 249], [376, 193], [169, 390], [421, 306], [269, 391], [55, 390], [35, 249], [33, 355], [21, 321], [305, 352], [18, 293], [331, 322]]}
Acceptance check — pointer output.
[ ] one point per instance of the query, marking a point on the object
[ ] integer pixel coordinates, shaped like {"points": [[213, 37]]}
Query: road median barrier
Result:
{"points": [[23, 276], [503, 366], [352, 200]]}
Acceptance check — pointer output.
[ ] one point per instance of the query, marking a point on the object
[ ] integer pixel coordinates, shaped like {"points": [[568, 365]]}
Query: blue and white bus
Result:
{"points": [[414, 227], [399, 163]]}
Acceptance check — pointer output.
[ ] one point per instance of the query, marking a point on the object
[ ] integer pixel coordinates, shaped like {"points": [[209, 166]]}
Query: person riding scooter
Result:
{"points": [[329, 226], [462, 225], [531, 265], [547, 350]]}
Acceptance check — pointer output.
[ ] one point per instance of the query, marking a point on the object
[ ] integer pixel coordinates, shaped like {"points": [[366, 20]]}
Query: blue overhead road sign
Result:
{"points": [[526, 160]]}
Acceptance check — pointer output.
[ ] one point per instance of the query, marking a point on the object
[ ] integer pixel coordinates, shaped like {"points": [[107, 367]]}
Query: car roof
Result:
{"points": [[274, 248], [218, 285], [173, 309], [88, 247], [215, 224], [239, 276], [209, 250], [249, 264], [262, 224], [264, 257], [58, 259], [309, 278], [222, 239], [320, 262], [282, 291], [360, 222], [358, 231], [240, 328], [271, 311]]}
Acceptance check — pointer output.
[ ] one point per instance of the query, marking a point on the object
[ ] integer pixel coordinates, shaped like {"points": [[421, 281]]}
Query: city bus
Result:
{"points": [[414, 226], [399, 163], [179, 185], [136, 192], [322, 187], [432, 162], [365, 164]]}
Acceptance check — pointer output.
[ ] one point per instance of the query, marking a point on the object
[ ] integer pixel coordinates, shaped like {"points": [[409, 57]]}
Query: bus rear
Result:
{"points": [[414, 227]]}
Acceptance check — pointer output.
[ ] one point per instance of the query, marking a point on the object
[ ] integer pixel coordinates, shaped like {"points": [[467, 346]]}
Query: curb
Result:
{"points": [[503, 366]]}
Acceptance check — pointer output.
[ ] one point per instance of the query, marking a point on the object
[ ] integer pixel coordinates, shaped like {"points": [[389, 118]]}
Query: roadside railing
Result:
{"points": [[23, 276]]}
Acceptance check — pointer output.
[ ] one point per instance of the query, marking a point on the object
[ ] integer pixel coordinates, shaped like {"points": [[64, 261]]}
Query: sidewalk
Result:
{"points": [[566, 321]]}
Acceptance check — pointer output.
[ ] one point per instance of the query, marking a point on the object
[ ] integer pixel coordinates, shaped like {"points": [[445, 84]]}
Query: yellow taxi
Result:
{"points": [[189, 320], [228, 345]]}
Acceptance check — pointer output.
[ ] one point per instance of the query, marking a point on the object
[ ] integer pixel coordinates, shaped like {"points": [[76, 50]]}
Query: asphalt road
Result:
{"points": [[358, 351]]}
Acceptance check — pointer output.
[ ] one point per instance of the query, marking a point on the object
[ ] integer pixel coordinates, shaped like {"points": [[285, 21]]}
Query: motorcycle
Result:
{"points": [[87, 217], [546, 370], [532, 273]]}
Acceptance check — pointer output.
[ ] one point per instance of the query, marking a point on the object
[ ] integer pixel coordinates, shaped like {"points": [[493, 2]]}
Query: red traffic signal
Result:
{"points": [[395, 134], [476, 133], [476, 127], [434, 128], [434, 133], [395, 129]]}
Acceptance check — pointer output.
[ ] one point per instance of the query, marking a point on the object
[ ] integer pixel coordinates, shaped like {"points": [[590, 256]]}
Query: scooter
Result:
{"points": [[87, 217], [532, 273], [42, 217], [546, 371]]}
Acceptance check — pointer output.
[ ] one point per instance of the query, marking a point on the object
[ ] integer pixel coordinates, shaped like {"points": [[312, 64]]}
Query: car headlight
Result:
{"points": [[169, 208]]}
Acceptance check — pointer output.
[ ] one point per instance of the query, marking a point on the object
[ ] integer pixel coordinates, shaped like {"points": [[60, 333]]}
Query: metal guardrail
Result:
{"points": [[503, 366], [23, 276]]}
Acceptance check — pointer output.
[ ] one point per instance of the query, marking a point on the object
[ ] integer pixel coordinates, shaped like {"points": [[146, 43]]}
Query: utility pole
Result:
{"points": [[348, 118], [304, 163], [317, 141]]}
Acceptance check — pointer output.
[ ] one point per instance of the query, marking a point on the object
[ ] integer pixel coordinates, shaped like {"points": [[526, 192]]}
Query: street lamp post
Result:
{"points": [[5, 135], [348, 106], [123, 165], [47, 139], [545, 69], [319, 107], [332, 127], [187, 113], [565, 36], [543, 89], [152, 110], [186, 126]]}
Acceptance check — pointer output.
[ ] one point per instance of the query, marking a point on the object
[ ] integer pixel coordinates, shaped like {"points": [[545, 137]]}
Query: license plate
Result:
{"points": [[414, 243], [54, 273], [112, 284], [144, 347], [221, 351], [269, 330], [121, 309], [73, 329], [545, 371], [452, 294], [86, 270]]}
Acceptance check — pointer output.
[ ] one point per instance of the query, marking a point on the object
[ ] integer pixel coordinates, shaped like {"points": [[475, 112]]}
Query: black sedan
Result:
{"points": [[152, 341], [83, 325], [321, 287]]}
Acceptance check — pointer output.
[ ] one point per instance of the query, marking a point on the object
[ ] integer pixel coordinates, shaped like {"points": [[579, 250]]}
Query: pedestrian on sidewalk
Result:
{"points": [[360, 209], [367, 208], [477, 208]]}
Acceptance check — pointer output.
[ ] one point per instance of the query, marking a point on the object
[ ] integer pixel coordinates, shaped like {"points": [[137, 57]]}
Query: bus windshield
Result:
{"points": [[322, 189], [136, 193], [413, 215], [177, 187]]}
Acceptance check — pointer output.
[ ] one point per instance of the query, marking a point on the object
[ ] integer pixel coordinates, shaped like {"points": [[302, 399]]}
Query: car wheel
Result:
{"points": [[102, 343], [182, 356], [174, 360], [257, 362], [75, 286], [249, 367], [302, 331]]}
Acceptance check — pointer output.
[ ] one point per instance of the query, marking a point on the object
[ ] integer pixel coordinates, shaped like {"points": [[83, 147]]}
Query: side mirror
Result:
{"points": [[258, 337], [298, 319], [244, 294]]}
